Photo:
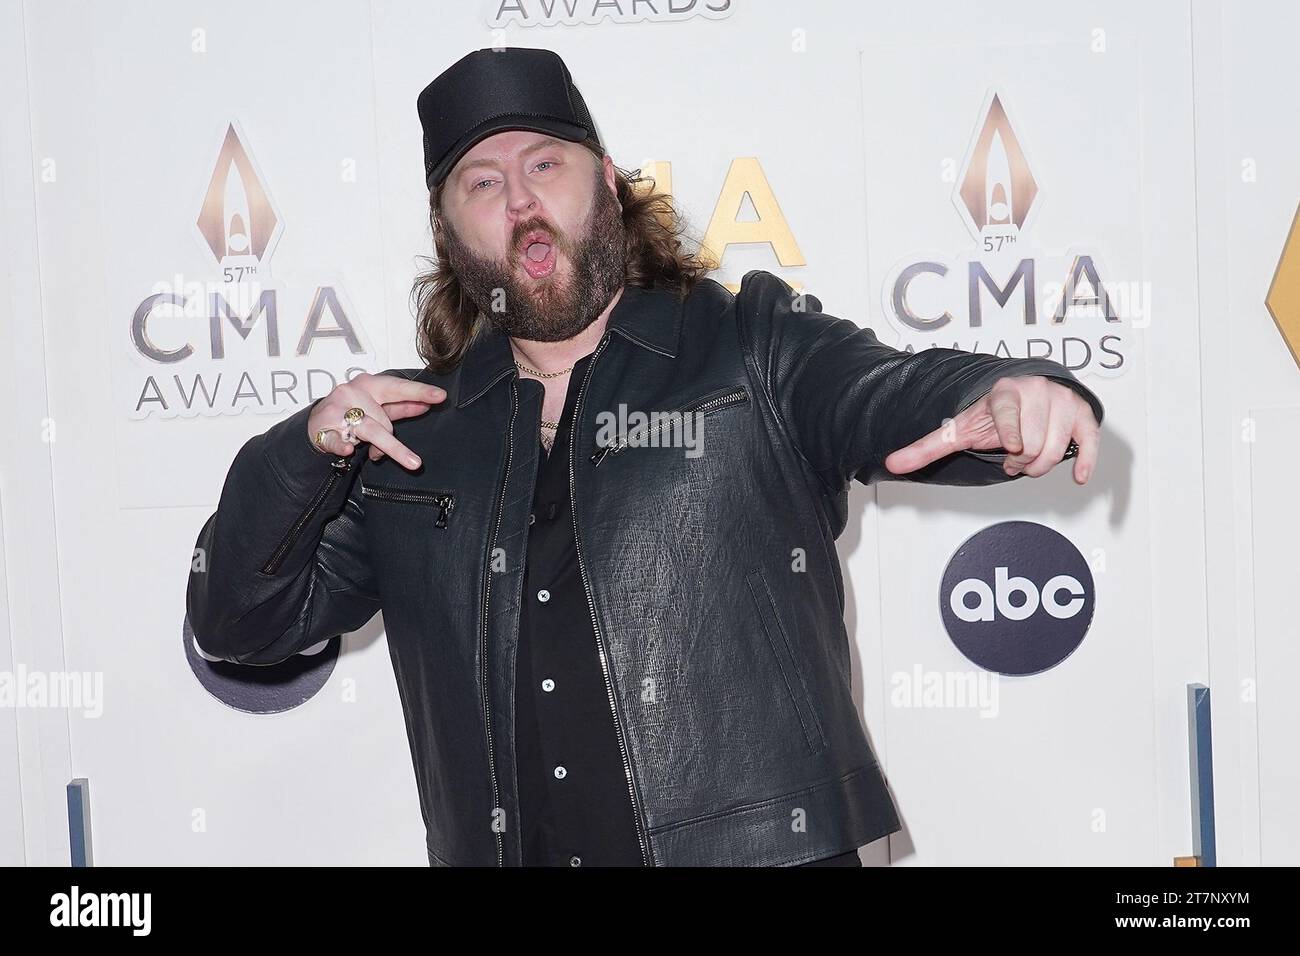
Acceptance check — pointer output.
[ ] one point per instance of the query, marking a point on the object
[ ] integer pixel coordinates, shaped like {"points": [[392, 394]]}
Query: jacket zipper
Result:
{"points": [[729, 396], [339, 467], [591, 607], [487, 588], [445, 500]]}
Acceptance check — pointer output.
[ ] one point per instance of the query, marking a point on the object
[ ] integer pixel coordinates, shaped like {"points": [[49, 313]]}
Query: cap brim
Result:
{"points": [[570, 131]]}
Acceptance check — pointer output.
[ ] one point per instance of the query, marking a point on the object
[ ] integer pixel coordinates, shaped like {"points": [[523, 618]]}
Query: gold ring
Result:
{"points": [[320, 436], [350, 418]]}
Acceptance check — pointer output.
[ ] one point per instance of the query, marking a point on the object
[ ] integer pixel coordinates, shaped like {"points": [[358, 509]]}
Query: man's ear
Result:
{"points": [[611, 181]]}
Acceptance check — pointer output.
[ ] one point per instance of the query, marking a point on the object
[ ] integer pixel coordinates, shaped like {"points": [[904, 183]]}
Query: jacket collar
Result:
{"points": [[652, 318]]}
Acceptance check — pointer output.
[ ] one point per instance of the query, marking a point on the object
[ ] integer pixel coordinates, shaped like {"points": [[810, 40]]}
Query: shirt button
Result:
{"points": [[531, 518], [560, 773], [543, 595], [575, 861], [548, 685]]}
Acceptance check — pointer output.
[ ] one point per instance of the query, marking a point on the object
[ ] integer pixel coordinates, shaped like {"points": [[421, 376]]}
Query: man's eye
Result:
{"points": [[545, 162]]}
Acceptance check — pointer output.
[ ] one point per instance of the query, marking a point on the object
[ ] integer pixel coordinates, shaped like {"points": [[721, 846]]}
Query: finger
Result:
{"points": [[409, 409], [394, 388], [1087, 433], [1060, 423], [1004, 406], [371, 430], [357, 397], [1032, 432], [944, 440], [334, 444], [361, 392]]}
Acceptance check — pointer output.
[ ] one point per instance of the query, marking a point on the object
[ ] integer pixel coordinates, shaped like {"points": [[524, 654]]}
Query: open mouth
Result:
{"points": [[538, 255]]}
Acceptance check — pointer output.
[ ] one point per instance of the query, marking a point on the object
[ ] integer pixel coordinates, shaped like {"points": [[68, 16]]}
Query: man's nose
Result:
{"points": [[520, 198]]}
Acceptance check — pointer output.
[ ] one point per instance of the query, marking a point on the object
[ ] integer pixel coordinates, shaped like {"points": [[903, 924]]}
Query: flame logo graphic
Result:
{"points": [[237, 218], [998, 189]]}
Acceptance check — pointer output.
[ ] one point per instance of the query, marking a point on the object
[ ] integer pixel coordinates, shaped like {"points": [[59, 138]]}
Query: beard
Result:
{"points": [[552, 308]]}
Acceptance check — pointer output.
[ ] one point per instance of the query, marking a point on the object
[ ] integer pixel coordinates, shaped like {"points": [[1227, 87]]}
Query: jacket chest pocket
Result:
{"points": [[659, 424], [443, 501]]}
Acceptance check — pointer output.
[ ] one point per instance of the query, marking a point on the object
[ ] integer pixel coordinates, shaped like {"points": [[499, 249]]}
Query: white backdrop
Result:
{"points": [[1138, 123]]}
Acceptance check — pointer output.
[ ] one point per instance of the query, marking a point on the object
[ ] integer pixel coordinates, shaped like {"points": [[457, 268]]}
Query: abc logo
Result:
{"points": [[1017, 598], [997, 599]]}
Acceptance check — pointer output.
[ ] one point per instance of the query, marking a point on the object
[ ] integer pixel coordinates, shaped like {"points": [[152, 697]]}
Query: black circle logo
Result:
{"points": [[263, 689], [1017, 598]]}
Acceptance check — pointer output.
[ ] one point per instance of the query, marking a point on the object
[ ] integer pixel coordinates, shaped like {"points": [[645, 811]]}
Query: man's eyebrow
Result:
{"points": [[540, 144]]}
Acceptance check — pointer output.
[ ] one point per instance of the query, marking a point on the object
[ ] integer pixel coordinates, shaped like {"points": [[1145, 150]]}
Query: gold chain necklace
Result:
{"points": [[533, 371]]}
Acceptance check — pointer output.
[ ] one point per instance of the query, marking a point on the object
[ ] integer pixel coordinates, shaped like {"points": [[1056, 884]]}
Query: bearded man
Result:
{"points": [[611, 649]]}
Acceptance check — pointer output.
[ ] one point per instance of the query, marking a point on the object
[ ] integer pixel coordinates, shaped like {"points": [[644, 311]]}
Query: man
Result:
{"points": [[613, 645]]}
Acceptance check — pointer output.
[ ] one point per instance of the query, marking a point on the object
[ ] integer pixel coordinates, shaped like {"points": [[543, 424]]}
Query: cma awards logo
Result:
{"points": [[550, 13], [1005, 296], [1017, 598], [238, 339]]}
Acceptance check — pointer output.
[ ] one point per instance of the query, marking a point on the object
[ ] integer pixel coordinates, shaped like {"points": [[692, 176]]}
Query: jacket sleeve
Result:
{"points": [[847, 401], [282, 564]]}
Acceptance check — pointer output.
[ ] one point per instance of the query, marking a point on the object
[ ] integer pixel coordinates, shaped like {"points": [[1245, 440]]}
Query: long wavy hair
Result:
{"points": [[655, 256]]}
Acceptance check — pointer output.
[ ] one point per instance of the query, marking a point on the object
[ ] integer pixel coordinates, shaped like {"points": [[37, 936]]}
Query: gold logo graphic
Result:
{"points": [[1283, 299], [997, 188], [237, 219]]}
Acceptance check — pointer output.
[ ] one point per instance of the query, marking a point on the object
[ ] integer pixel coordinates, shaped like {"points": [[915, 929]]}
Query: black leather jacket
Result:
{"points": [[713, 581]]}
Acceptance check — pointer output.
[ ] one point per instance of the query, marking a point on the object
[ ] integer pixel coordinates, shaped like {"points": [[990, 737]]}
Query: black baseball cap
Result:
{"points": [[492, 90]]}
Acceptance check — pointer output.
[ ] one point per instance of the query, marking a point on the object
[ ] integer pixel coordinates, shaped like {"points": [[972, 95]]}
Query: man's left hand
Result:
{"points": [[1032, 417]]}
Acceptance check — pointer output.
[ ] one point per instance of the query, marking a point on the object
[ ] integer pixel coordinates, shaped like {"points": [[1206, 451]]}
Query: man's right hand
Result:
{"points": [[385, 399]]}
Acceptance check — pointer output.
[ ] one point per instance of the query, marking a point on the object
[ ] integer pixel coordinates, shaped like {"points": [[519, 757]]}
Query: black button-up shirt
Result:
{"points": [[574, 803], [575, 806]]}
